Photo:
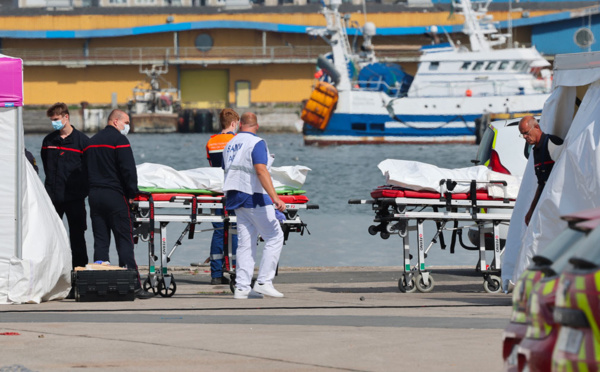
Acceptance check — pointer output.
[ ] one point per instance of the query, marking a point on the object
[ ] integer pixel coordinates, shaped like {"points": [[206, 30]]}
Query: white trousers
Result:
{"points": [[250, 223]]}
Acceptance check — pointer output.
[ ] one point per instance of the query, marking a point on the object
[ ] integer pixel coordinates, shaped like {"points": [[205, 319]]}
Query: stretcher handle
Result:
{"points": [[312, 206], [355, 201], [503, 183]]}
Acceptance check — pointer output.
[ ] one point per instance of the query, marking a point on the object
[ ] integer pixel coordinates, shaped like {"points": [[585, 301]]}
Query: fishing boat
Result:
{"points": [[358, 100], [154, 109]]}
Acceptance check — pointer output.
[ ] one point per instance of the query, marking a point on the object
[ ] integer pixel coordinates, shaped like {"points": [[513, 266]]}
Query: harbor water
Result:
{"points": [[338, 230]]}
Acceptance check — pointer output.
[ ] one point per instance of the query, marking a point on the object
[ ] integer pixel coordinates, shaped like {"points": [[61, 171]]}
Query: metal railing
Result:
{"points": [[80, 57]]}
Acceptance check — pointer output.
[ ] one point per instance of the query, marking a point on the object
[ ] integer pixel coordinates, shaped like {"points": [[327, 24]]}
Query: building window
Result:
{"points": [[518, 65], [490, 65], [359, 126], [377, 127], [203, 42], [117, 2]]}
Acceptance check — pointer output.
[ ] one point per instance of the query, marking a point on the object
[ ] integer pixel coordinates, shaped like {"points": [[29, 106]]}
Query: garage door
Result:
{"points": [[204, 88]]}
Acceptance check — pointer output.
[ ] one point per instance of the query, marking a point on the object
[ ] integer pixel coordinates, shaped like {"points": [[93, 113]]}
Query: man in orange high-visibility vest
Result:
{"points": [[229, 121]]}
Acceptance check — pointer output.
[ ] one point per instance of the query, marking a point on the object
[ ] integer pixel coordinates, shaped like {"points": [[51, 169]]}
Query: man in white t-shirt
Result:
{"points": [[250, 192]]}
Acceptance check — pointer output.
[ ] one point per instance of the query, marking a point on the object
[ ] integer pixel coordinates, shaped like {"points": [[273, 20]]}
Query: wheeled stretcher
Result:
{"points": [[400, 210], [153, 211]]}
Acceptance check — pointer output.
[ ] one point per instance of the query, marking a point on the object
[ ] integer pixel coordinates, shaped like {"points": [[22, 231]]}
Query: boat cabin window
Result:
{"points": [[478, 66], [465, 66], [378, 127], [518, 65], [433, 66], [359, 126], [503, 65], [490, 65], [525, 66]]}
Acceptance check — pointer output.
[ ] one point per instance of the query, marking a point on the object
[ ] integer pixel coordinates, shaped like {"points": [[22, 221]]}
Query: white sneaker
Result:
{"points": [[244, 295], [267, 289]]}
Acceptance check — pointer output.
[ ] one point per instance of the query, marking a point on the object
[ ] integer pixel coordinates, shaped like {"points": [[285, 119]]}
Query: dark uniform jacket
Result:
{"points": [[110, 162], [62, 158], [542, 160]]}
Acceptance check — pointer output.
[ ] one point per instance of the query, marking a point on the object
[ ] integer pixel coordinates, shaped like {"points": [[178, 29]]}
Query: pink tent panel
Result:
{"points": [[11, 81]]}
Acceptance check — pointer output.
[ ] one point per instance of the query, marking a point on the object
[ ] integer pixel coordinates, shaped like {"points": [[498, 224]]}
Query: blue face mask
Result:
{"points": [[57, 124]]}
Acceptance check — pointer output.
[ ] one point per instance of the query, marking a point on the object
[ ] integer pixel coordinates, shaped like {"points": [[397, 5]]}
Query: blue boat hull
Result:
{"points": [[371, 129]]}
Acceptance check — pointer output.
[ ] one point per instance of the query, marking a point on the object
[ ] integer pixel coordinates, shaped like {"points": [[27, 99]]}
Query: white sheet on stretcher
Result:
{"points": [[417, 176], [208, 178]]}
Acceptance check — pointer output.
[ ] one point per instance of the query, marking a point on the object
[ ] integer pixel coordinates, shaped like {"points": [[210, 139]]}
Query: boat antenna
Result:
{"points": [[364, 4], [448, 37]]}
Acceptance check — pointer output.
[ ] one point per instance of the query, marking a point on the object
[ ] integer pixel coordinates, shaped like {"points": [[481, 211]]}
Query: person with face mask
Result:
{"points": [[229, 120], [66, 178], [113, 185]]}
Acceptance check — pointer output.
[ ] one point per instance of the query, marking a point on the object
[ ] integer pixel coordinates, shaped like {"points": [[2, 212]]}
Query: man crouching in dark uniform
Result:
{"points": [[113, 185], [546, 148]]}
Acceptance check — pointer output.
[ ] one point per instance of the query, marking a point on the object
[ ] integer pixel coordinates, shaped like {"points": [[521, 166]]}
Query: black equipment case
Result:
{"points": [[104, 285]]}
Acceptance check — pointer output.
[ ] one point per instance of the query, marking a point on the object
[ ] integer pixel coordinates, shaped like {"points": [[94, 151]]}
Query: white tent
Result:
{"points": [[574, 183], [35, 258]]}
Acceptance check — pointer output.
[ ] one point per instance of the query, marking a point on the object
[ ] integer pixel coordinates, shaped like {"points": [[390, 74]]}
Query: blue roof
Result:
{"points": [[265, 26]]}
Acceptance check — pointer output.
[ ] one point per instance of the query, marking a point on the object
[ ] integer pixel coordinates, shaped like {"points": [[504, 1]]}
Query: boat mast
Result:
{"points": [[477, 25]]}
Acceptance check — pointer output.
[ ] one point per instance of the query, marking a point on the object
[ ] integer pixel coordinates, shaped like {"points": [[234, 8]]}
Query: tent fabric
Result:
{"points": [[8, 212], [208, 178], [573, 185], [418, 176], [573, 70], [11, 89], [35, 256], [44, 271]]}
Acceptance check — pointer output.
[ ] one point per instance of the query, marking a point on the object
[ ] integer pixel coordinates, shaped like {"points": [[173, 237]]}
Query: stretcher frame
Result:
{"points": [[152, 216], [404, 214]]}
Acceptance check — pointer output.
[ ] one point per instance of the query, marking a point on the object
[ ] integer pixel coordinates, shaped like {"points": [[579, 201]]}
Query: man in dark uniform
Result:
{"points": [[66, 178], [229, 120], [546, 148], [113, 185]]}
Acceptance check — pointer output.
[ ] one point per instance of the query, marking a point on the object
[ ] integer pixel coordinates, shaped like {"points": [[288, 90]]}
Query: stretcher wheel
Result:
{"points": [[493, 284], [421, 285], [385, 235], [373, 230], [167, 292], [148, 286], [406, 288]]}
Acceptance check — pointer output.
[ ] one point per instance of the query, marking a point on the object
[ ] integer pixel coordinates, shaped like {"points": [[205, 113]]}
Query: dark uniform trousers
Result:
{"points": [[76, 217], [109, 211]]}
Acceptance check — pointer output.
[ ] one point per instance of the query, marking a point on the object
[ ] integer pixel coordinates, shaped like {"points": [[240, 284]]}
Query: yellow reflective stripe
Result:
{"points": [[596, 349], [582, 367], [519, 317], [549, 287], [569, 366], [597, 280], [580, 283], [547, 329]]}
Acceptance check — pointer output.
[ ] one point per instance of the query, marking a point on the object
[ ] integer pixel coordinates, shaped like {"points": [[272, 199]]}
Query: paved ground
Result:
{"points": [[349, 319]]}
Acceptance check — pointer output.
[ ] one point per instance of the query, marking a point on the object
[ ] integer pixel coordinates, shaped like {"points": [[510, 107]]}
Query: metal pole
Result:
{"points": [[19, 182]]}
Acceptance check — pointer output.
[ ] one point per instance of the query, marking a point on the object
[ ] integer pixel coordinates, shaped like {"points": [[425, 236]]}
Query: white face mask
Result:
{"points": [[125, 130]]}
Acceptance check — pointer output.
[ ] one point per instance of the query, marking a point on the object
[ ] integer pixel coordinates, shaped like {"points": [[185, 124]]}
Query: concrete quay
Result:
{"points": [[331, 319]]}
